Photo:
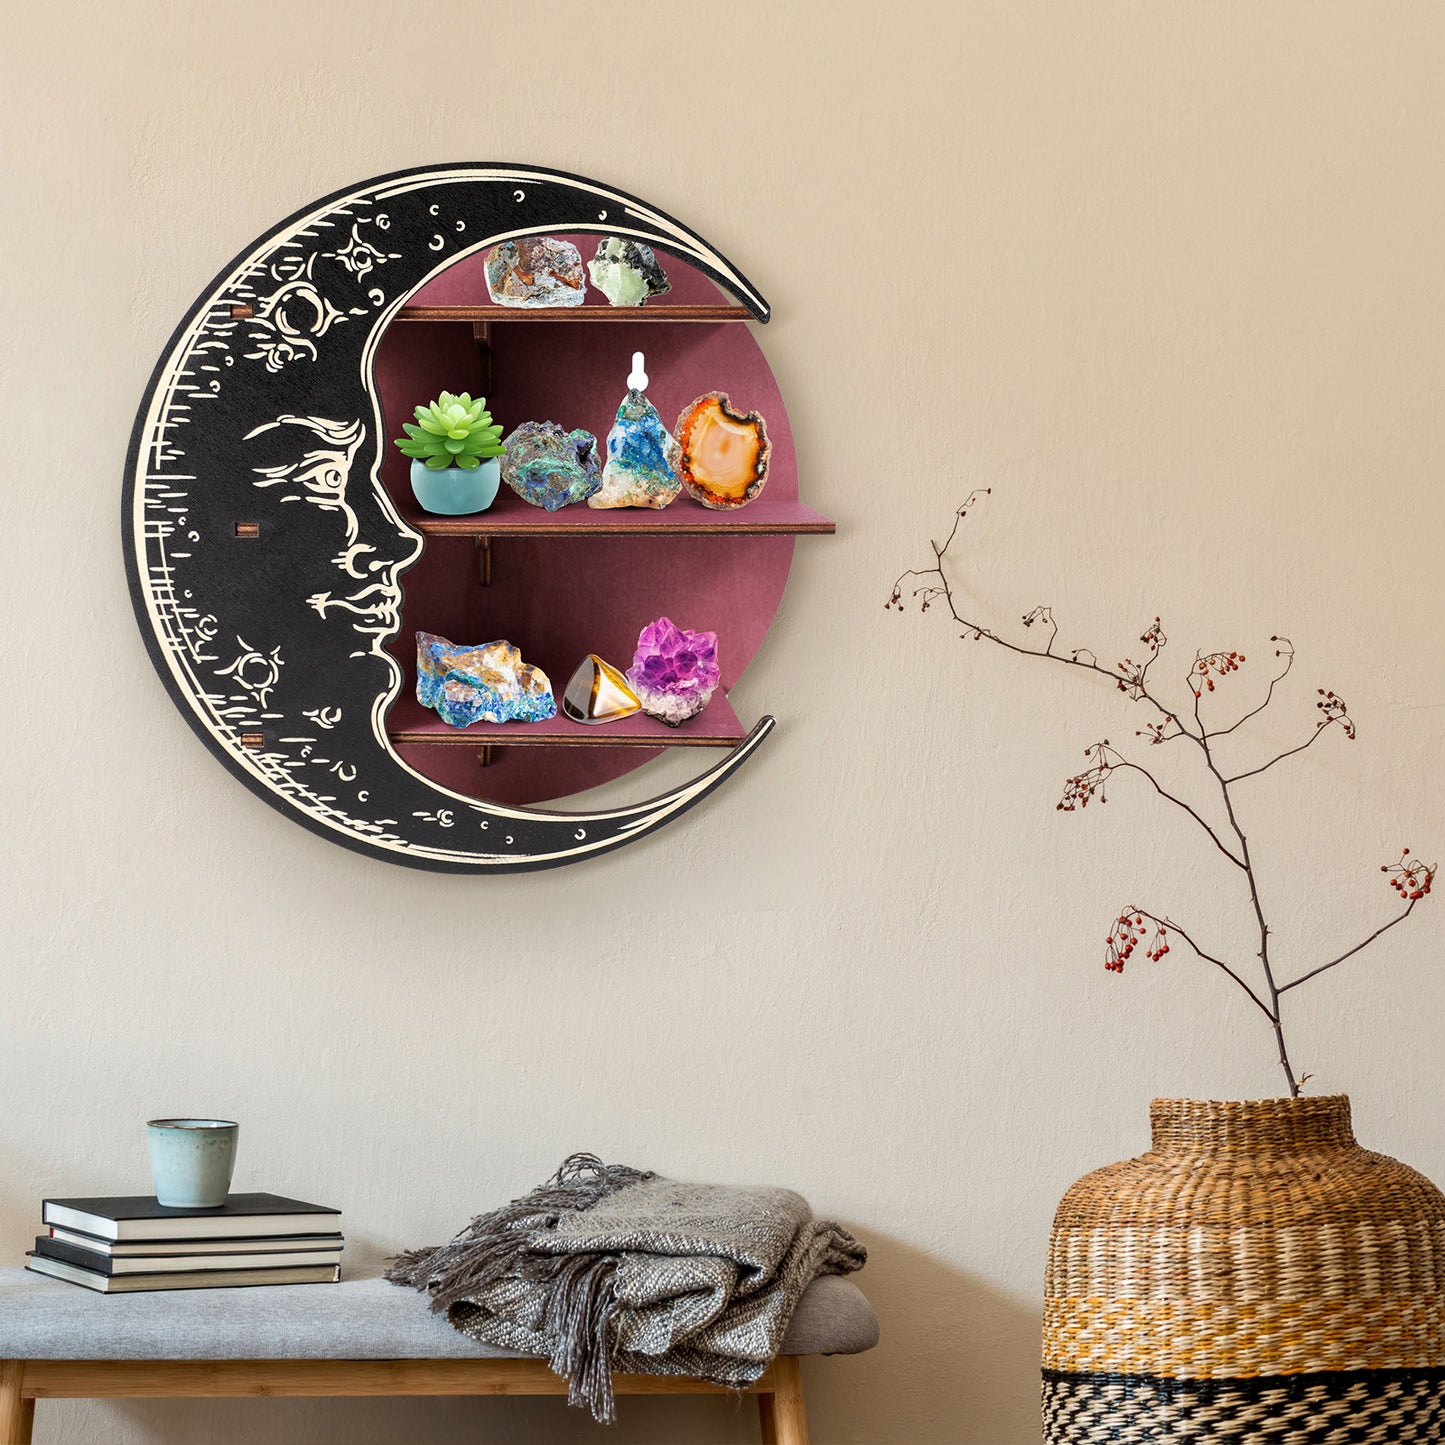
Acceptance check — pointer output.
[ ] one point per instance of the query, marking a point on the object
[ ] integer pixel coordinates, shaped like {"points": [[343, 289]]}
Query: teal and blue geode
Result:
{"points": [[549, 467], [486, 683], [642, 458]]}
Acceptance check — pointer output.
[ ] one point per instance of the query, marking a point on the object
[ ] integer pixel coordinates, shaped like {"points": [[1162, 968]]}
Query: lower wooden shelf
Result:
{"points": [[716, 726]]}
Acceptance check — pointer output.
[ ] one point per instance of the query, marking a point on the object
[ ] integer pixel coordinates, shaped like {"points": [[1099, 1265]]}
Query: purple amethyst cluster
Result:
{"points": [[674, 672]]}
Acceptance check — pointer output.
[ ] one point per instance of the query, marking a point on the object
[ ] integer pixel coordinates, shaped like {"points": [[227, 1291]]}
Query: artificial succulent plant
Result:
{"points": [[454, 431]]}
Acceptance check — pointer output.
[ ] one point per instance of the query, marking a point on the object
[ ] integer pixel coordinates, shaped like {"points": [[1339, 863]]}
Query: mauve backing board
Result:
{"points": [[558, 598]]}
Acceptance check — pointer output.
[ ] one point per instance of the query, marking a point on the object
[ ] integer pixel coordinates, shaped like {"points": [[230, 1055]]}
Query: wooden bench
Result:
{"points": [[359, 1337]]}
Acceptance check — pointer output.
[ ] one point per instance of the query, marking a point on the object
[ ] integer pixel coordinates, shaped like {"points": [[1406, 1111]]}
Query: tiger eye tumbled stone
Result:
{"points": [[598, 693], [724, 461]]}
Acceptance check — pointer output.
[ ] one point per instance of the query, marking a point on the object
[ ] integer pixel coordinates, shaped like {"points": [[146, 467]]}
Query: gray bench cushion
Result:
{"points": [[358, 1319]]}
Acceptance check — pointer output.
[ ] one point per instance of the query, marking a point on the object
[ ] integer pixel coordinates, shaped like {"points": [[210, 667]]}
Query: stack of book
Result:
{"points": [[133, 1243]]}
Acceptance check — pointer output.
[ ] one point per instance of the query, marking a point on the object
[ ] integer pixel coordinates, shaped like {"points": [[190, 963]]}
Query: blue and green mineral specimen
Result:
{"points": [[626, 272], [549, 467], [486, 683], [642, 458]]}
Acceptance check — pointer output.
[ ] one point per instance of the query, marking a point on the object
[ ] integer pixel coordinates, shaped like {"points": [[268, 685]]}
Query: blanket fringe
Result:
{"points": [[581, 1303], [581, 1308]]}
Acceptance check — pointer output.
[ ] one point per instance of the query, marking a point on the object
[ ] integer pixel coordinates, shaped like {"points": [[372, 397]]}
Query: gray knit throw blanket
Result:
{"points": [[608, 1268]]}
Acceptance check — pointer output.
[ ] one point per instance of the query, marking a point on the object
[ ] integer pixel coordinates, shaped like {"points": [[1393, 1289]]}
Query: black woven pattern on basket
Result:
{"points": [[1348, 1407]]}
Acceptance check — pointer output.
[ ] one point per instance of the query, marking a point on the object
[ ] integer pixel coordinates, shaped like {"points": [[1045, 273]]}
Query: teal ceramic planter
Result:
{"points": [[192, 1161], [452, 492]]}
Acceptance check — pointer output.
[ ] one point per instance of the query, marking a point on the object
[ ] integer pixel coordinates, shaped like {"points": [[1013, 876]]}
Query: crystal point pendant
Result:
{"points": [[598, 693]]}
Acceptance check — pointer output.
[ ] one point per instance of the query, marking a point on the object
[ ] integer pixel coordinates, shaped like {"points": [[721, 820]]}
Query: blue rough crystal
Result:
{"points": [[485, 683], [549, 467], [642, 458]]}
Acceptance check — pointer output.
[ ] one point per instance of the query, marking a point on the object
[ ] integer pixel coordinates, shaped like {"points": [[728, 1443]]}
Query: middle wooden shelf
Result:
{"points": [[510, 516]]}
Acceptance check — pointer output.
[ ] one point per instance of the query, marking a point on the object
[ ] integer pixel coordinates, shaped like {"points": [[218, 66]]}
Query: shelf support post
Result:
{"points": [[482, 335], [484, 561], [484, 754]]}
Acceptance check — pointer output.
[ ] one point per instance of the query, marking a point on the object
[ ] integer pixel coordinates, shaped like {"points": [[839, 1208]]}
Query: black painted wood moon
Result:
{"points": [[272, 646]]}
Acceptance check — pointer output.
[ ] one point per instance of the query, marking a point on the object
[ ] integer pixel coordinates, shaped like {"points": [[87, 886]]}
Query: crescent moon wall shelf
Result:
{"points": [[279, 566]]}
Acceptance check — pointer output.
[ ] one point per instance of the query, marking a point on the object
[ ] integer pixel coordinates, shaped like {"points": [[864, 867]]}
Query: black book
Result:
{"points": [[260, 1257], [119, 1249], [139, 1216], [189, 1279]]}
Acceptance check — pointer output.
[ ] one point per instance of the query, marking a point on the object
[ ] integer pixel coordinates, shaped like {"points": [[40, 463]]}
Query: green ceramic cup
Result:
{"points": [[192, 1160]]}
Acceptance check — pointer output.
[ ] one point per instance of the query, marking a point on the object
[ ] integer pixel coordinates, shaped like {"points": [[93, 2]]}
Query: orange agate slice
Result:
{"points": [[724, 453]]}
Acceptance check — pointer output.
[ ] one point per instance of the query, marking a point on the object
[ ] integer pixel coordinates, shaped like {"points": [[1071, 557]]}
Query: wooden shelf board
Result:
{"points": [[716, 726], [510, 516], [705, 314]]}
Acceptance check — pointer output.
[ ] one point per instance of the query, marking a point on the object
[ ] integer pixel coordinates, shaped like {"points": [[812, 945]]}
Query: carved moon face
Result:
{"points": [[263, 553]]}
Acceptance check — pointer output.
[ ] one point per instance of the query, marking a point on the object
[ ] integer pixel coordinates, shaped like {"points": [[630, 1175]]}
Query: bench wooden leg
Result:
{"points": [[781, 1413], [767, 1420], [17, 1414]]}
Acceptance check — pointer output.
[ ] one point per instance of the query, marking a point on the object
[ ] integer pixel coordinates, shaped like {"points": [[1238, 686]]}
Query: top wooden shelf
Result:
{"points": [[704, 314], [575, 313]]}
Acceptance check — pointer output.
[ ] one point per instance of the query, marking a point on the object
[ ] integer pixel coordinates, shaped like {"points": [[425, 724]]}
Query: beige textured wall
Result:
{"points": [[1168, 278]]}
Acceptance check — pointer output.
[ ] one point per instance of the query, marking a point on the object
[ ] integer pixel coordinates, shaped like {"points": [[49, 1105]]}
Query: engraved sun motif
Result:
{"points": [[287, 321], [360, 257], [257, 672]]}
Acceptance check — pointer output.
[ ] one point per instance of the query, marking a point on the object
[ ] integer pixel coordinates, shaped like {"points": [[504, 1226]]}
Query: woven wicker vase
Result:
{"points": [[1256, 1276]]}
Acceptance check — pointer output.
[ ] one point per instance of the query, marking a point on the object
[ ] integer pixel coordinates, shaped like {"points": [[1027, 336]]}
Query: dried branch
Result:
{"points": [[1334, 713], [1286, 651], [927, 593], [1411, 879], [1105, 759], [1045, 616], [1276, 1020], [1412, 882], [1121, 946], [1159, 733]]}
